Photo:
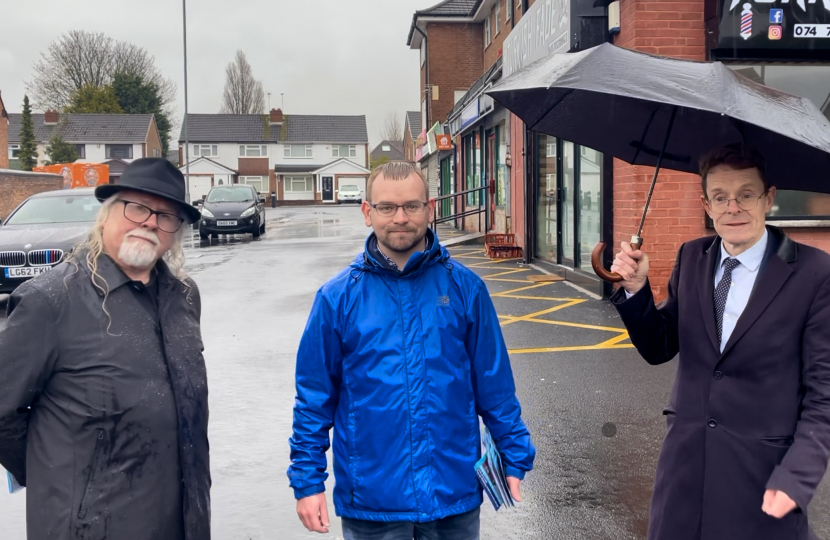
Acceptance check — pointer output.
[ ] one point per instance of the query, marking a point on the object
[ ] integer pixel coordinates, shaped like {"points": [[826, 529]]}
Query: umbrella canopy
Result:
{"points": [[621, 102]]}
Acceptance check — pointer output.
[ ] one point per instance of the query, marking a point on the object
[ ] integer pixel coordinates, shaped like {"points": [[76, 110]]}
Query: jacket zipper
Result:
{"points": [[90, 479]]}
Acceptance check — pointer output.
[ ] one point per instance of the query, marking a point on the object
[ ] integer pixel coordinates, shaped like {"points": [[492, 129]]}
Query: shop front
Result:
{"points": [[562, 185], [785, 46]]}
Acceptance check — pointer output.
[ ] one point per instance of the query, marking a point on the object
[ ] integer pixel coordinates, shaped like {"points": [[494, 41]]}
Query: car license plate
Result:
{"points": [[230, 223], [27, 271]]}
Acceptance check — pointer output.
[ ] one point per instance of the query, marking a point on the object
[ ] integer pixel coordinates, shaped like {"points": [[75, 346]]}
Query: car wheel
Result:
{"points": [[214, 235], [359, 201], [262, 227], [255, 232], [203, 235]]}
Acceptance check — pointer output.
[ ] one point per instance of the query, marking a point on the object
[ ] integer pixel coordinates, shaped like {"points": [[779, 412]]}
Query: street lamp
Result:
{"points": [[186, 140]]}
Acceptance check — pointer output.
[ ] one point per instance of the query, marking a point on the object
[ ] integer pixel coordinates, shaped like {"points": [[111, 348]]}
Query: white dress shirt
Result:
{"points": [[743, 280]]}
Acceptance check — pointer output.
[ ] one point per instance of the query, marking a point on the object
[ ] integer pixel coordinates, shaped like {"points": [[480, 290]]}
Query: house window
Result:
{"points": [[498, 18], [259, 183], [119, 151], [506, 10], [299, 184], [386, 148], [487, 36], [14, 151], [253, 150], [206, 150], [156, 152], [80, 149], [298, 150], [344, 150]]}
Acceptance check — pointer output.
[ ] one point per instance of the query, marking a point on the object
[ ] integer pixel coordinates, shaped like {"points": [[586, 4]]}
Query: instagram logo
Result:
{"points": [[775, 32]]}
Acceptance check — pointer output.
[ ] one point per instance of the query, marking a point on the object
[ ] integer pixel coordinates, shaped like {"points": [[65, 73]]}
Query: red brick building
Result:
{"points": [[4, 136], [560, 198]]}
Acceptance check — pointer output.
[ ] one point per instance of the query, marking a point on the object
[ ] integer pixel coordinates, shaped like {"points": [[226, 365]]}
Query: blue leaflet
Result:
{"points": [[490, 472]]}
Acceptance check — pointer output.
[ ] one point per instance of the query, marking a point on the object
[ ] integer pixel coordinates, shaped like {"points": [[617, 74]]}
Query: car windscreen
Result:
{"points": [[64, 209], [349, 188], [230, 195]]}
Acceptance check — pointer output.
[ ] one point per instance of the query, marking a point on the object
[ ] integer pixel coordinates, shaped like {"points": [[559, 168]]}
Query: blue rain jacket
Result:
{"points": [[402, 365]]}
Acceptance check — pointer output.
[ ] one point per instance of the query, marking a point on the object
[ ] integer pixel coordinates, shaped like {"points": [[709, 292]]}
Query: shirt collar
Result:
{"points": [[752, 257]]}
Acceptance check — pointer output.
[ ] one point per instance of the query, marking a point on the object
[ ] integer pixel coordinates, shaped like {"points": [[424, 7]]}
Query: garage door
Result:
{"points": [[198, 186]]}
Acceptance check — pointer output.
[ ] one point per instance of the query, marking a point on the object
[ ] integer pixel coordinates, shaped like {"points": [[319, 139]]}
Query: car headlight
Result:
{"points": [[249, 212], [206, 213]]}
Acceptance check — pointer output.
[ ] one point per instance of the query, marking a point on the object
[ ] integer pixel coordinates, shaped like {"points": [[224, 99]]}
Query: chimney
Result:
{"points": [[50, 118], [276, 116]]}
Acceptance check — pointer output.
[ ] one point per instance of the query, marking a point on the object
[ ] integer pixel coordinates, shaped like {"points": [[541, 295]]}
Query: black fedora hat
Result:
{"points": [[155, 176]]}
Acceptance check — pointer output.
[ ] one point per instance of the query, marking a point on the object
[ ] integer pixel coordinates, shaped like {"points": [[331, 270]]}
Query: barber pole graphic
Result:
{"points": [[746, 21]]}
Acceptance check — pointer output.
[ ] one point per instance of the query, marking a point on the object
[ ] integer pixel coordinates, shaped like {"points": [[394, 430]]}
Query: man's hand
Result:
{"points": [[777, 503], [632, 266], [314, 513], [514, 483]]}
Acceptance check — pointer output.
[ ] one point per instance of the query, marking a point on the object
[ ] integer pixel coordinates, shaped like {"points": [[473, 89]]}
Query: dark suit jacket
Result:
{"points": [[755, 417]]}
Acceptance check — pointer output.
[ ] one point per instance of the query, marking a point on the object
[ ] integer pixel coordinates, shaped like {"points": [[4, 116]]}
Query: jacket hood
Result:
{"points": [[366, 262]]}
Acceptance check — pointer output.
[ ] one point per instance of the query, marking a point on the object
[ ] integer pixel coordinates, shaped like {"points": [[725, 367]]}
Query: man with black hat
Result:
{"points": [[103, 389]]}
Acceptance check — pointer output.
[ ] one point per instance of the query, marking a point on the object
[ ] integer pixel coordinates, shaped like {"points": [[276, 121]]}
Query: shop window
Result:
{"points": [[589, 205], [813, 83], [546, 212]]}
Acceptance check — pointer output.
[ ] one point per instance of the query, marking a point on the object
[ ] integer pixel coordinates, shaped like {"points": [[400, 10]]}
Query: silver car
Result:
{"points": [[41, 231]]}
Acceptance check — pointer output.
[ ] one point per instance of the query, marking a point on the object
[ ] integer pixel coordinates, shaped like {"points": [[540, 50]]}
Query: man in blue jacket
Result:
{"points": [[401, 354]]}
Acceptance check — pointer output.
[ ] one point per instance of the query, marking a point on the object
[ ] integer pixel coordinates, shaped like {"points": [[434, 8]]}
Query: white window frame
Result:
{"points": [[487, 37], [212, 150], [385, 148], [12, 149], [335, 150], [309, 151], [498, 18], [244, 150], [550, 150], [289, 184], [507, 10], [108, 151], [263, 180]]}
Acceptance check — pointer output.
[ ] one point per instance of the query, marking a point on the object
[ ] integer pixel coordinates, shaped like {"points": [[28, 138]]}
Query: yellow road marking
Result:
{"points": [[530, 316], [506, 272], [615, 340], [567, 349], [520, 289]]}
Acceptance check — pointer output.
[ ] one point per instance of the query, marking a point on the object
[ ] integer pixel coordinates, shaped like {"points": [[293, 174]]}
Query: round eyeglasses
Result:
{"points": [[138, 213], [745, 201]]}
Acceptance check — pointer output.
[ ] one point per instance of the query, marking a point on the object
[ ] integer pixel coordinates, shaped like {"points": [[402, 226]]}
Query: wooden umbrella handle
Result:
{"points": [[596, 260]]}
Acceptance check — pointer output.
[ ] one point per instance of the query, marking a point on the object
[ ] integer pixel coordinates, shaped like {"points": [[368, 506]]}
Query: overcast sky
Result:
{"points": [[326, 56]]}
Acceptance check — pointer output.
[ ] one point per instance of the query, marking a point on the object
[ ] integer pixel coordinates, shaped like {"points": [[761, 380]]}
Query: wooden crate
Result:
{"points": [[504, 252], [491, 239]]}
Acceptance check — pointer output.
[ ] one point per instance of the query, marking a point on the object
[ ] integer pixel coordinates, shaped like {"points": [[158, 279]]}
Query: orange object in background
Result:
{"points": [[78, 175]]}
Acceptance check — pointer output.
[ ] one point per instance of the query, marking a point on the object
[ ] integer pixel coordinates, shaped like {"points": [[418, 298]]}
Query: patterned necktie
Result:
{"points": [[722, 291]]}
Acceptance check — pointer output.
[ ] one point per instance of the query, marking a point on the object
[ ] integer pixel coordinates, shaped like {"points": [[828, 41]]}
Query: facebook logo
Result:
{"points": [[776, 16]]}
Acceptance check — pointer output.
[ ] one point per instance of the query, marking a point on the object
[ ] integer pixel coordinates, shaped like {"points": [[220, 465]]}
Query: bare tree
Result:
{"points": [[392, 128], [80, 59], [243, 94]]}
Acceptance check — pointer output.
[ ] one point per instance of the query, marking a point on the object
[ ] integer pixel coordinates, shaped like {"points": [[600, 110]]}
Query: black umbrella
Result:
{"points": [[664, 112]]}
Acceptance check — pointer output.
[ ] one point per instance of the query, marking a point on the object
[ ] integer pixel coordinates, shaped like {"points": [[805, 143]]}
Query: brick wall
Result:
{"points": [[15, 187], [666, 28], [153, 142], [494, 50], [455, 61], [253, 167]]}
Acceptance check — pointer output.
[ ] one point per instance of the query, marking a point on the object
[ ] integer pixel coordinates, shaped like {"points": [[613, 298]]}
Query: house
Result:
{"points": [[411, 130], [387, 151], [204, 173], [4, 136], [97, 137], [297, 158]]}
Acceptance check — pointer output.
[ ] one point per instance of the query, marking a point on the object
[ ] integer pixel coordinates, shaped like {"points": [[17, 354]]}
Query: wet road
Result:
{"points": [[255, 299]]}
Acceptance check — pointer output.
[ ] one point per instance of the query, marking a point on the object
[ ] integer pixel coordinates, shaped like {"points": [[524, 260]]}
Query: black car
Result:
{"points": [[234, 209], [41, 231]]}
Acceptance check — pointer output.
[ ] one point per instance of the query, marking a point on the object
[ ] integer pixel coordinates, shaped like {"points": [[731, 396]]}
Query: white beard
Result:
{"points": [[138, 253]]}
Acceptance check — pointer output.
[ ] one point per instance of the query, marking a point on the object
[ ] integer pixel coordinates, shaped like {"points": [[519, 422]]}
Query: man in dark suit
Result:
{"points": [[748, 310]]}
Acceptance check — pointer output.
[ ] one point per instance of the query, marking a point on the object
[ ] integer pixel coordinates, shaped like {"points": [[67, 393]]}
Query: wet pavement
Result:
{"points": [[592, 405]]}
